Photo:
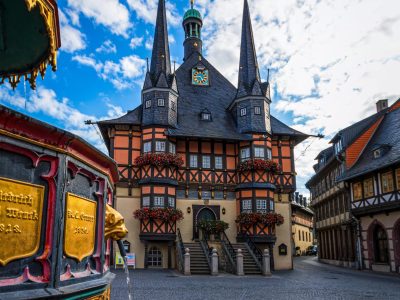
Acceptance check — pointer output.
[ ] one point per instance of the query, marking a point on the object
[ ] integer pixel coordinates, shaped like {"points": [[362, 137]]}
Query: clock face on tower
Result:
{"points": [[200, 76]]}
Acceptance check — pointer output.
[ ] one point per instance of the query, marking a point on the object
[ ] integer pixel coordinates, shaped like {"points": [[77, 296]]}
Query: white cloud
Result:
{"points": [[107, 47], [149, 43], [171, 39], [331, 60], [109, 13], [88, 61], [71, 38], [147, 11], [128, 70], [73, 16], [136, 42], [45, 101]]}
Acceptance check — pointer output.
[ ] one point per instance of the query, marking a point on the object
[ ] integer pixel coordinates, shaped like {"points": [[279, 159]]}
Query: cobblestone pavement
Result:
{"points": [[309, 280]]}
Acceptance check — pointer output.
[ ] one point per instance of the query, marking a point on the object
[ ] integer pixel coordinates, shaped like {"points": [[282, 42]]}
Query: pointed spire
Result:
{"points": [[248, 68], [160, 59]]}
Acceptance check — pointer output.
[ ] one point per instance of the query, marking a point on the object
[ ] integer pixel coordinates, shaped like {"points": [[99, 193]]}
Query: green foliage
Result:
{"points": [[213, 227]]}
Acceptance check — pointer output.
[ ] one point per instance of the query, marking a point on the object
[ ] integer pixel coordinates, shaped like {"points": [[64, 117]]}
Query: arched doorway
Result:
{"points": [[396, 244], [154, 258], [380, 244], [203, 214]]}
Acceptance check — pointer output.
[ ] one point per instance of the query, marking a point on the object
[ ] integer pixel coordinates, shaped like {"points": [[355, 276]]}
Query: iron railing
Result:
{"points": [[181, 251], [255, 250], [206, 247], [229, 251]]}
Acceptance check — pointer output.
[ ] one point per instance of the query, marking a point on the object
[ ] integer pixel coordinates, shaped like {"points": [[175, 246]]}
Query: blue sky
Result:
{"points": [[330, 61]]}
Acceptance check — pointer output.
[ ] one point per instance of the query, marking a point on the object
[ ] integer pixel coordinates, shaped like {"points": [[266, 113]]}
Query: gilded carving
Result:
{"points": [[21, 210], [80, 226], [48, 14], [106, 295], [115, 225]]}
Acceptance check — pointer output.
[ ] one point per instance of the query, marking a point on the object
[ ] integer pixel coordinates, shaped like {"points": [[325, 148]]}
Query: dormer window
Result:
{"points": [[257, 110], [377, 153], [243, 112], [338, 146], [205, 116], [380, 150]]}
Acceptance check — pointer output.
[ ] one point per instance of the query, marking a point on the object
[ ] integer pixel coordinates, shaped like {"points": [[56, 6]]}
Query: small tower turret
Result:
{"points": [[251, 106], [192, 24], [160, 94]]}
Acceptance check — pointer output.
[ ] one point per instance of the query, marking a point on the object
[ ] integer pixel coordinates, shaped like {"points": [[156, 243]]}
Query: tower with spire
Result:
{"points": [[251, 106], [192, 24], [160, 93]]}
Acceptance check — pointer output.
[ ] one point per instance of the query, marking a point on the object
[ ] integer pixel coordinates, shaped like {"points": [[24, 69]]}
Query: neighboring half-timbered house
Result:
{"points": [[203, 146], [367, 155], [374, 181]]}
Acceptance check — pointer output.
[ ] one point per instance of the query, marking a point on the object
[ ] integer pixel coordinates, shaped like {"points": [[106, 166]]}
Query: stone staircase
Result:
{"points": [[249, 265], [198, 261]]}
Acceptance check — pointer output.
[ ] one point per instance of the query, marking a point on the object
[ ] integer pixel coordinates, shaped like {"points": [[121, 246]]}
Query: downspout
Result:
{"points": [[359, 252]]}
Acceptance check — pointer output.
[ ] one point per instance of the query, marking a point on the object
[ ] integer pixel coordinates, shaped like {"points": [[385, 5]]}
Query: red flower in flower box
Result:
{"points": [[259, 164], [158, 213], [270, 218], [159, 160]]}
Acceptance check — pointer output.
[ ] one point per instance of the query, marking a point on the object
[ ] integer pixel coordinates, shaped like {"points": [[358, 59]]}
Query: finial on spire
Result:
{"points": [[192, 3], [268, 75]]}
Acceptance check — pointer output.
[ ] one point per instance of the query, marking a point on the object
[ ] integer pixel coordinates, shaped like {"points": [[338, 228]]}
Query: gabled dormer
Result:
{"points": [[380, 150], [160, 92]]}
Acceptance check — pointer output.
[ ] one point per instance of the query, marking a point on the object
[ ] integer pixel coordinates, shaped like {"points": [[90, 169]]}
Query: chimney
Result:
{"points": [[296, 197], [381, 105]]}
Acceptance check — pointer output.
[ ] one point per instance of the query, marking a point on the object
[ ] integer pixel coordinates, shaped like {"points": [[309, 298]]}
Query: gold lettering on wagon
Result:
{"points": [[21, 208], [80, 227]]}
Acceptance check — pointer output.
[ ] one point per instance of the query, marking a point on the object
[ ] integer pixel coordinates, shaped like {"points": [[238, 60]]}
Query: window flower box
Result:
{"points": [[259, 164], [165, 214], [159, 160], [270, 218]]}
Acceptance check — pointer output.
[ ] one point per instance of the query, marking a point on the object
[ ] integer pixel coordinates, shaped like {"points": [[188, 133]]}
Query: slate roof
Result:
{"points": [[194, 99], [280, 128], [301, 207], [349, 134], [329, 158], [388, 133], [160, 59], [249, 74]]}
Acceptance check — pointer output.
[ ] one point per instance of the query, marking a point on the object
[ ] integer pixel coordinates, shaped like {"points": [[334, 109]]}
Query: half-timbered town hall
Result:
{"points": [[199, 149]]}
